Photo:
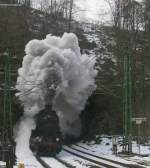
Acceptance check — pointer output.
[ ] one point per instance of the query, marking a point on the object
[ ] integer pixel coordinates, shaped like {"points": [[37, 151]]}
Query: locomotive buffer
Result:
{"points": [[7, 145]]}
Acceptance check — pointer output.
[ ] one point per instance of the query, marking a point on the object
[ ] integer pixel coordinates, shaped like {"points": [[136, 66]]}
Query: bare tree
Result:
{"points": [[70, 15]]}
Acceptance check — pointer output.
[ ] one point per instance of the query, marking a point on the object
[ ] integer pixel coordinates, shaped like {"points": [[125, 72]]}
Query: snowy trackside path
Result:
{"points": [[29, 162]]}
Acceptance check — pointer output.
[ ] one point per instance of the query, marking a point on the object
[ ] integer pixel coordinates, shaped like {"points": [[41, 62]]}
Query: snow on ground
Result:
{"points": [[102, 146], [105, 146], [111, 157], [29, 162], [75, 161], [2, 164], [99, 41], [141, 160], [145, 150], [65, 156], [93, 158]]}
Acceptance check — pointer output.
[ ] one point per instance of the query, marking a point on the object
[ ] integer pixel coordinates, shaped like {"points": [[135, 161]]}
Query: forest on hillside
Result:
{"points": [[127, 34]]}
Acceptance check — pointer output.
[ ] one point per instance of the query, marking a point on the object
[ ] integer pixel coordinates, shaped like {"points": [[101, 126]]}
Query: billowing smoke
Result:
{"points": [[54, 73]]}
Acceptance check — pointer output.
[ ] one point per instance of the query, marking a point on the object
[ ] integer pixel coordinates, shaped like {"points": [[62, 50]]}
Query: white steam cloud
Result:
{"points": [[54, 73]]}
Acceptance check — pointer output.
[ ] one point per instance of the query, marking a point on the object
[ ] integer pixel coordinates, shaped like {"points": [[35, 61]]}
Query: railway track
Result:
{"points": [[42, 162], [99, 160], [45, 163], [64, 163], [140, 163], [83, 153], [82, 149], [92, 159]]}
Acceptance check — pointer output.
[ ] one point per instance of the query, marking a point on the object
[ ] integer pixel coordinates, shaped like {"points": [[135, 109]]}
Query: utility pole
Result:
{"points": [[127, 102], [7, 114], [8, 147]]}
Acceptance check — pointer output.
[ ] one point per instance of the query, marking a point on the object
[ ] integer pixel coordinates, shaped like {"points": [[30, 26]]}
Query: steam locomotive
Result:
{"points": [[46, 139]]}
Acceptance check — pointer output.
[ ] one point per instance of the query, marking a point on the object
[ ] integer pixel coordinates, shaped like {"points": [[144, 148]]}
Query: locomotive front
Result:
{"points": [[46, 139]]}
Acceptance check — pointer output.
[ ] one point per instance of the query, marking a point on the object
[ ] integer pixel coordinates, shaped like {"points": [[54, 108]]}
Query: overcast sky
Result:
{"points": [[96, 10]]}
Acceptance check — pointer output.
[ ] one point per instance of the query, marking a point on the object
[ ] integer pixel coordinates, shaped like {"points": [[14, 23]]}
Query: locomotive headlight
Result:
{"points": [[57, 139]]}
